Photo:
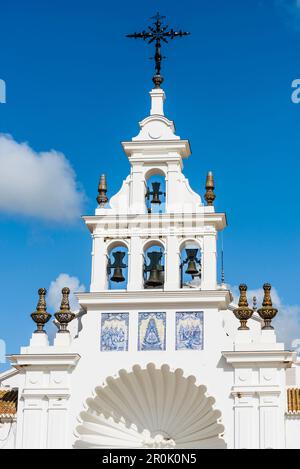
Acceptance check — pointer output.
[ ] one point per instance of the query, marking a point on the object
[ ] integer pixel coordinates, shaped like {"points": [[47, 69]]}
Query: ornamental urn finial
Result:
{"points": [[40, 316], [102, 198], [243, 313], [210, 196], [267, 312], [64, 315]]}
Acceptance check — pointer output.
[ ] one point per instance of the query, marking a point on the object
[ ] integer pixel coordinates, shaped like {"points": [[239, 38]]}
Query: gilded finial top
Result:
{"points": [[65, 305], [40, 315], [267, 296], [102, 198], [210, 196], [243, 295], [41, 306]]}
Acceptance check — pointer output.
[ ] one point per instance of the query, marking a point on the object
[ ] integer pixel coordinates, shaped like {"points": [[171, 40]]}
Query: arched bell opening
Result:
{"points": [[155, 195], [150, 408], [154, 265], [190, 265], [117, 266]]}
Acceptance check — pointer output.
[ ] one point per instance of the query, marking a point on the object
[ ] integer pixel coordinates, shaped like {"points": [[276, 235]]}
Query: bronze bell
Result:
{"points": [[191, 260], [156, 193], [118, 276], [155, 268], [155, 279], [118, 265]]}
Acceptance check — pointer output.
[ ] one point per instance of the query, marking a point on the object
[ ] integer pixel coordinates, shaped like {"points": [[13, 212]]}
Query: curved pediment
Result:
{"points": [[156, 127]]}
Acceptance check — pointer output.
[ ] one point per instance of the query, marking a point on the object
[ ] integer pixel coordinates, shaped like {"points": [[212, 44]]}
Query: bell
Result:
{"points": [[118, 265], [155, 279], [156, 193], [156, 270], [191, 261], [117, 275]]}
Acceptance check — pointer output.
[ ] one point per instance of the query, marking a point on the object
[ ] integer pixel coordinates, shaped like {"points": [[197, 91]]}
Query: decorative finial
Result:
{"points": [[40, 316], [267, 312], [210, 187], [254, 307], [64, 315], [243, 313], [158, 33], [102, 198]]}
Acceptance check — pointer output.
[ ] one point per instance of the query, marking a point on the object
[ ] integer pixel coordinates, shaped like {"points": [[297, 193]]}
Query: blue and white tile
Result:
{"points": [[152, 331], [189, 331], [114, 332]]}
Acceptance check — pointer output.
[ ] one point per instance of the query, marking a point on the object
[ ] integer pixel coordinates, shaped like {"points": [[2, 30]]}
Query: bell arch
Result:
{"points": [[155, 196], [150, 408], [190, 266], [154, 263], [117, 264]]}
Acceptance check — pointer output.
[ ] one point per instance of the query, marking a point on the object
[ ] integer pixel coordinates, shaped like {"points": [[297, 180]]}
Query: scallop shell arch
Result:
{"points": [[150, 408]]}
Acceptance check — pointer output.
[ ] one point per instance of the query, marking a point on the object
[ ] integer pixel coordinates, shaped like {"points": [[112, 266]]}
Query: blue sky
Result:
{"points": [[77, 86]]}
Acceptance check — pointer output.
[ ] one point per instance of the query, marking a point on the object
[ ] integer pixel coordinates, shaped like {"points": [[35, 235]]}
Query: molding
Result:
{"points": [[156, 298], [257, 357], [152, 146], [256, 389], [8, 374], [42, 392], [68, 360], [168, 221]]}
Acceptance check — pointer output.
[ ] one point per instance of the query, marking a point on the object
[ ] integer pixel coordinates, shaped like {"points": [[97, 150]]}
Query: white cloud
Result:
{"points": [[54, 291], [37, 184], [287, 321]]}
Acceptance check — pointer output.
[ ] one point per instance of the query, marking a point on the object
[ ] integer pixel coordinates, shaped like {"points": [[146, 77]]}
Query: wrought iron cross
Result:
{"points": [[158, 33]]}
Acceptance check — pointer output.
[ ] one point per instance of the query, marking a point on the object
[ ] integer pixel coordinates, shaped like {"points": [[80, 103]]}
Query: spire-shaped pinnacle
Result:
{"points": [[40, 316], [243, 312], [64, 315], [210, 196], [267, 312], [102, 198]]}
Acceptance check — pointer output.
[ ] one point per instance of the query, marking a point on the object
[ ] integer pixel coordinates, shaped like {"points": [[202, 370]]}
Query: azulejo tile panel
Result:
{"points": [[114, 332], [189, 331], [152, 331]]}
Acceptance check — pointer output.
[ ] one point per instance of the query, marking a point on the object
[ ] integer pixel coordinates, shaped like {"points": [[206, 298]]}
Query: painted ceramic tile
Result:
{"points": [[152, 331], [189, 331], [114, 331]]}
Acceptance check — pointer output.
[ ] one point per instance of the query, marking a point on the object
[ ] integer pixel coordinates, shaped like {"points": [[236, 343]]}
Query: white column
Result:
{"points": [[137, 188], [135, 264], [174, 199], [172, 261], [43, 414], [271, 426], [99, 264], [245, 421], [157, 101], [209, 262]]}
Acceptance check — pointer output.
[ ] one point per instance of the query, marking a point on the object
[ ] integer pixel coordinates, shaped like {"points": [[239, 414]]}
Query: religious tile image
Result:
{"points": [[152, 331], [114, 332], [189, 331]]}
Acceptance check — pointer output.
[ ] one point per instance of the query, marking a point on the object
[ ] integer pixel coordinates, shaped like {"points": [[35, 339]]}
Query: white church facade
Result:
{"points": [[159, 355]]}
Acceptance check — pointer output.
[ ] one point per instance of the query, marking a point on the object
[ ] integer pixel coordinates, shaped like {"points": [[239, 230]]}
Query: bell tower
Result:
{"points": [[155, 234]]}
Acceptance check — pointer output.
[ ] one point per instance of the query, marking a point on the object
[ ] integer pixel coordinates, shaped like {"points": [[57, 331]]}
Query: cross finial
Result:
{"points": [[158, 33]]}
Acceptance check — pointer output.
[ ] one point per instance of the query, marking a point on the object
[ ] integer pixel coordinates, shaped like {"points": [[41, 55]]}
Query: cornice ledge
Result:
{"points": [[256, 389], [48, 359], [285, 357], [217, 298]]}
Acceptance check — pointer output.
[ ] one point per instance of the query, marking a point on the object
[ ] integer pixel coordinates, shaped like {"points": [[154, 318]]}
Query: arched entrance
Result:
{"points": [[150, 408]]}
